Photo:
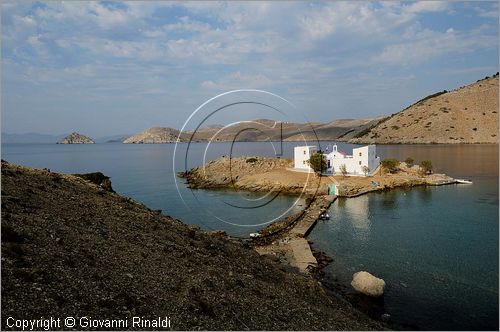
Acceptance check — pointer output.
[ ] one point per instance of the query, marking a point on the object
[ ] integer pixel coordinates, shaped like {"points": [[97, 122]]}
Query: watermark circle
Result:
{"points": [[234, 101]]}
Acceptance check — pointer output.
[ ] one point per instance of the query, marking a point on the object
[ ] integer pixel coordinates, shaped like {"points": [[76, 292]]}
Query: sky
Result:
{"points": [[107, 68]]}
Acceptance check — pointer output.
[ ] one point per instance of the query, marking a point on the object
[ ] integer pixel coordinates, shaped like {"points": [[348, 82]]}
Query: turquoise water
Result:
{"points": [[146, 173], [436, 247]]}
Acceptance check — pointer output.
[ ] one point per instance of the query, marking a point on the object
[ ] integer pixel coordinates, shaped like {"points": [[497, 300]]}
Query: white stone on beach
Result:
{"points": [[368, 284]]}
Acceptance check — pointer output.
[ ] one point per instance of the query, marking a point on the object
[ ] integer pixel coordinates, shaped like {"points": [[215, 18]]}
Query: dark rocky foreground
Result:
{"points": [[73, 248]]}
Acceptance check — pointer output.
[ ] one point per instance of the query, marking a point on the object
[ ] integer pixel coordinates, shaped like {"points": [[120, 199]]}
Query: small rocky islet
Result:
{"points": [[76, 138]]}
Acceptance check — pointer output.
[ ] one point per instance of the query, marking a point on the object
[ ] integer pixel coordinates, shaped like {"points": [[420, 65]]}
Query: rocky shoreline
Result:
{"points": [[262, 174], [285, 240], [284, 237], [72, 247]]}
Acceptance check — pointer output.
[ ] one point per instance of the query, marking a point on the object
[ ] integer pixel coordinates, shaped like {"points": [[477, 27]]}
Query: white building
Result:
{"points": [[363, 156], [301, 155]]}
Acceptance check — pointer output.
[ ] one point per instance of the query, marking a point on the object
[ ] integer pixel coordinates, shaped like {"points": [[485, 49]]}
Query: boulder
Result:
{"points": [[368, 284]]}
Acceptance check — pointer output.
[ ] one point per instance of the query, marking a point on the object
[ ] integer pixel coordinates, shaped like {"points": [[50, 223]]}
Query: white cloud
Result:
{"points": [[491, 13], [426, 6], [430, 44], [186, 24], [237, 79], [317, 53]]}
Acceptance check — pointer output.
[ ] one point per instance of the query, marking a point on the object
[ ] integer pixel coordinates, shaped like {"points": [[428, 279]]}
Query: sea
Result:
{"points": [[435, 247]]}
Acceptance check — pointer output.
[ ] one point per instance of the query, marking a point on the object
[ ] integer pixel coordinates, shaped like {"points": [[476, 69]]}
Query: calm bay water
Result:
{"points": [[436, 247]]}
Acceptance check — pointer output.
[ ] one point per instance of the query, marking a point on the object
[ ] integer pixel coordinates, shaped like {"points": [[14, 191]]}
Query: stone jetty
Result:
{"points": [[288, 240]]}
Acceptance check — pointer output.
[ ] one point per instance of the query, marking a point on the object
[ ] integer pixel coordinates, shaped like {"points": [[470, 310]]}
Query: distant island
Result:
{"points": [[76, 138], [155, 135]]}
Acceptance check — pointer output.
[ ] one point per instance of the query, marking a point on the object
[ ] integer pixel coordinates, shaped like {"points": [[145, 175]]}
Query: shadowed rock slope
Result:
{"points": [[465, 115], [72, 248]]}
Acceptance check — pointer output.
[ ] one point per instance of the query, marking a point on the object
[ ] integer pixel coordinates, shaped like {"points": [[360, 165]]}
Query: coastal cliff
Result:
{"points": [[73, 248], [76, 138]]}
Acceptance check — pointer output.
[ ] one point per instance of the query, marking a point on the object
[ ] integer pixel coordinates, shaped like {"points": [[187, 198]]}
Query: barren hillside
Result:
{"points": [[264, 129], [341, 130], [72, 248], [466, 115]]}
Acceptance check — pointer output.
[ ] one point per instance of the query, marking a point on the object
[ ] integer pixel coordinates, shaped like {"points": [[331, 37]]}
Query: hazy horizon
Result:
{"points": [[115, 68]]}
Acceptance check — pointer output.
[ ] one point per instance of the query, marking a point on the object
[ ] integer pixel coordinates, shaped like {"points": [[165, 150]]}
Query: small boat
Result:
{"points": [[324, 216], [254, 235], [463, 181]]}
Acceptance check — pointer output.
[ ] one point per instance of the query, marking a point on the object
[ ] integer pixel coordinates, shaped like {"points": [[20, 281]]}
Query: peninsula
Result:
{"points": [[156, 135], [262, 174], [285, 239]]}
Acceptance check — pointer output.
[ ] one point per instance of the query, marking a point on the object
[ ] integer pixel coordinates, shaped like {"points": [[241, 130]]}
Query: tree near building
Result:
{"points": [[366, 170], [318, 162], [426, 167], [390, 164], [343, 169]]}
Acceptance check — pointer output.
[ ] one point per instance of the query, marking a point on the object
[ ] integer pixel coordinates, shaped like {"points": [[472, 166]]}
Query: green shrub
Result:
{"points": [[426, 166], [390, 165], [343, 169], [318, 162], [409, 161], [252, 160]]}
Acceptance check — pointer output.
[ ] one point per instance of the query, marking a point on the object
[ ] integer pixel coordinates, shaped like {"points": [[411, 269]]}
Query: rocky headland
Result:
{"points": [[157, 135], [76, 138], [251, 174], [72, 247]]}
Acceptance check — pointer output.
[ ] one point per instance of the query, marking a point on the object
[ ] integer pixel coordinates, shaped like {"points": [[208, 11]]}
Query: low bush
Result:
{"points": [[409, 161], [390, 165], [426, 166]]}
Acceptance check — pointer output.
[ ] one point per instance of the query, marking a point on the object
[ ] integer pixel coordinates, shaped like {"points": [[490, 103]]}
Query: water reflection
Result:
{"points": [[456, 160], [425, 194], [356, 215], [390, 200], [436, 248]]}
